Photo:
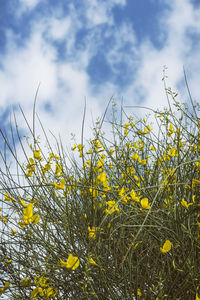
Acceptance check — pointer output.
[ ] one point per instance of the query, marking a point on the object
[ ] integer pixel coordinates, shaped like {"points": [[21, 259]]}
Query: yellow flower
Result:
{"points": [[28, 216], [28, 213], [111, 151], [112, 207], [136, 245], [123, 196], [29, 174], [172, 152], [58, 170], [37, 154], [97, 144], [185, 204], [142, 162], [13, 231], [43, 281], [8, 198], [197, 295], [57, 156], [102, 177], [93, 262], [61, 185], [139, 292], [94, 192], [36, 291], [23, 203], [46, 168], [32, 162], [195, 181], [80, 147], [171, 130], [88, 162], [125, 131], [92, 232], [133, 196], [135, 156], [166, 247], [100, 163], [72, 262], [5, 220], [145, 203], [50, 292], [6, 285], [136, 178]]}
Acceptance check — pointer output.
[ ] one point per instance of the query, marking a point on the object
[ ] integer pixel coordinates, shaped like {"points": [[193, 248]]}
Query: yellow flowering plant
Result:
{"points": [[72, 262], [126, 205], [166, 247]]}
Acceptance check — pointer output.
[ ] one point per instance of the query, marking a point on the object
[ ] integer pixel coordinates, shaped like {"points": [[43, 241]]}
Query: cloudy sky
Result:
{"points": [[88, 51]]}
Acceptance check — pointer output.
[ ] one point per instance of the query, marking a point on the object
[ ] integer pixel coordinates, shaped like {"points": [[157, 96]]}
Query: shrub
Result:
{"points": [[118, 222]]}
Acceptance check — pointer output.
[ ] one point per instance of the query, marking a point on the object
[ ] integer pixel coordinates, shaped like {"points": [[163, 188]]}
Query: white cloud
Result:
{"points": [[25, 67], [100, 12], [124, 49], [26, 6], [177, 50], [59, 29], [29, 3], [65, 84]]}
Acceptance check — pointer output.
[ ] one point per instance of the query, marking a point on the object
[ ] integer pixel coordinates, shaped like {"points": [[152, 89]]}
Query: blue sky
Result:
{"points": [[94, 49]]}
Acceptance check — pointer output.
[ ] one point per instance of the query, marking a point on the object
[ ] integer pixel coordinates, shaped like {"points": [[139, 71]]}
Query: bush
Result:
{"points": [[118, 222]]}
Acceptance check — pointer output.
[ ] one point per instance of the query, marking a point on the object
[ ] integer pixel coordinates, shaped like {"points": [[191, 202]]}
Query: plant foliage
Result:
{"points": [[121, 221]]}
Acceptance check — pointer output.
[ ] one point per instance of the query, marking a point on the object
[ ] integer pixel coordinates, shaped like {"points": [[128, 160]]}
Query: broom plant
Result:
{"points": [[116, 218]]}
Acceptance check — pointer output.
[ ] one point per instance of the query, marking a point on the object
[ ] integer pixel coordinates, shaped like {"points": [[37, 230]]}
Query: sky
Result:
{"points": [[85, 52]]}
